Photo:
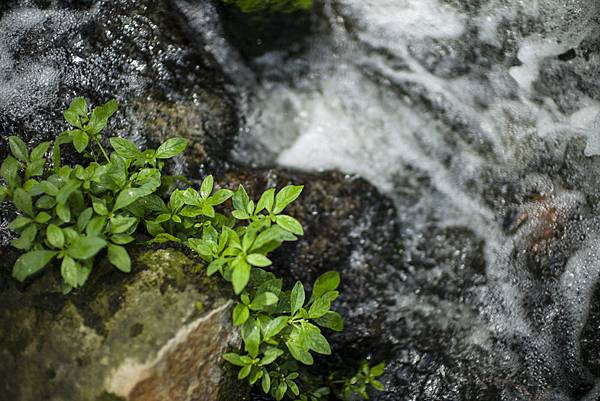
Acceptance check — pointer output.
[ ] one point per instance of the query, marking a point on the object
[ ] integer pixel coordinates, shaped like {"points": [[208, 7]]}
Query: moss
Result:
{"points": [[47, 339], [109, 397]]}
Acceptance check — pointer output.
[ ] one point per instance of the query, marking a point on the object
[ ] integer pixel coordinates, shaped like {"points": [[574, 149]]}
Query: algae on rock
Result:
{"points": [[131, 337]]}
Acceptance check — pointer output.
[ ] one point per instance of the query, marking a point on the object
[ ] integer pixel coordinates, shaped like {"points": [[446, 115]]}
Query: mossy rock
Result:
{"points": [[155, 334]]}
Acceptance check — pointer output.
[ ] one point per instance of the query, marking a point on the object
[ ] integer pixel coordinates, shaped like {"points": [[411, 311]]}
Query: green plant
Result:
{"points": [[359, 383], [282, 6], [74, 213]]}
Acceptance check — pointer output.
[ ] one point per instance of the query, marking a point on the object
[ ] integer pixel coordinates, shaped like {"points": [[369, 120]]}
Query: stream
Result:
{"points": [[482, 115], [478, 119]]}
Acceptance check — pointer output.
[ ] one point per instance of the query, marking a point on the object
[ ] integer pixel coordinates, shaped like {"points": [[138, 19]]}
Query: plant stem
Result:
{"points": [[102, 149]]}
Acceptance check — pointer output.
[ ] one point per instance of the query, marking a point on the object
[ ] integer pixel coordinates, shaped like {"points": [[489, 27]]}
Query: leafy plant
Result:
{"points": [[74, 214], [282, 6]]}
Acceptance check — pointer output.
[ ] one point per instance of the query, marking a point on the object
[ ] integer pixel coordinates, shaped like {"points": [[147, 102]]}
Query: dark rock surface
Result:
{"points": [[135, 51]]}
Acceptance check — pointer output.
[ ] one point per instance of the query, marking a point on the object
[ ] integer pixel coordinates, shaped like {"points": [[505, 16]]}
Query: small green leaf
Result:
{"points": [[275, 326], [27, 238], [281, 389], [322, 304], [101, 115], [240, 314], [63, 212], [55, 236], [207, 186], [297, 297], [35, 168], [121, 239], [39, 151], [99, 206], [9, 171], [49, 188], [215, 266], [290, 224], [270, 355], [118, 256], [266, 201], [31, 263], [286, 196], [377, 385], [316, 341], [263, 300], [72, 118], [208, 211], [80, 140], [19, 222], [378, 369], [42, 218], [121, 224], [220, 196], [256, 259], [326, 282], [127, 196], [66, 191], [234, 359], [69, 270], [79, 106], [22, 201], [45, 202], [84, 218], [293, 387], [299, 353], [171, 148], [331, 320], [266, 382], [85, 247], [251, 337], [95, 227], [244, 372], [18, 148], [240, 275], [241, 199], [240, 215], [125, 148]]}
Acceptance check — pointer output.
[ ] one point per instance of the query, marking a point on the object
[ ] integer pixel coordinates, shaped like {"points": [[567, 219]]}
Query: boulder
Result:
{"points": [[138, 52], [158, 333]]}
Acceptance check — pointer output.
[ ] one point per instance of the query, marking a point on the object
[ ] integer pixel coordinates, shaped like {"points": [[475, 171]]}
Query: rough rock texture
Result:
{"points": [[156, 334], [474, 116], [349, 227], [136, 51]]}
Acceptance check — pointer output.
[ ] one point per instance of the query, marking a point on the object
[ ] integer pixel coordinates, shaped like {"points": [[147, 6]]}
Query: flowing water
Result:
{"points": [[476, 114], [480, 119]]}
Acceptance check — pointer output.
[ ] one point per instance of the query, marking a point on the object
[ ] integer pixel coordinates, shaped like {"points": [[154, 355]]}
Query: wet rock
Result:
{"points": [[447, 262], [155, 334], [349, 227], [590, 336], [136, 51]]}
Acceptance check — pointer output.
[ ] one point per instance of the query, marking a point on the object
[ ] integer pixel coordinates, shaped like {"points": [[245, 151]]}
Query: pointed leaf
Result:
{"points": [[118, 256], [86, 247], [31, 263], [171, 148], [297, 297]]}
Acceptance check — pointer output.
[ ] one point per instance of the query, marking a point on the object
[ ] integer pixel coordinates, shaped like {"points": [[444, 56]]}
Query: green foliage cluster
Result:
{"points": [[74, 214], [277, 6]]}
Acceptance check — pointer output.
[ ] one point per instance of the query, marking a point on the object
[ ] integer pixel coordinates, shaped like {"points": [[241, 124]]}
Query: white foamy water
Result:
{"points": [[373, 105]]}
